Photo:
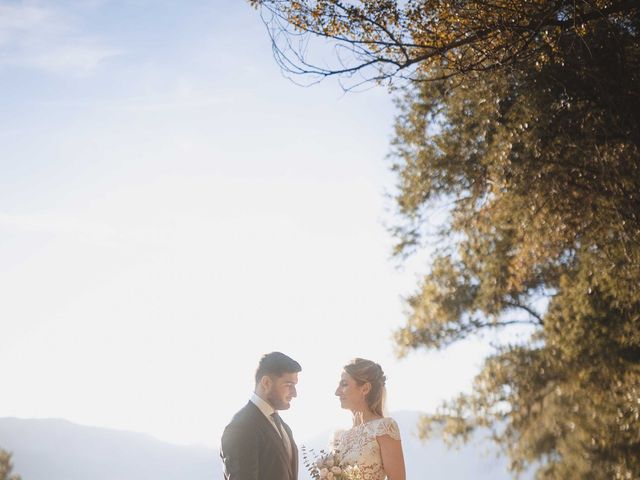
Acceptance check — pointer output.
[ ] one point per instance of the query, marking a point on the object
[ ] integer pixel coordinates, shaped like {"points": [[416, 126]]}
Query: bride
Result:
{"points": [[373, 443]]}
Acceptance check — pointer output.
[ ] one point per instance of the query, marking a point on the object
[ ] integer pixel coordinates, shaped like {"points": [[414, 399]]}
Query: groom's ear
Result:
{"points": [[265, 382]]}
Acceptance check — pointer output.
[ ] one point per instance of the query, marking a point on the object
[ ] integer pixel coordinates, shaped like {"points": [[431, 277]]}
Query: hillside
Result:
{"points": [[52, 449]]}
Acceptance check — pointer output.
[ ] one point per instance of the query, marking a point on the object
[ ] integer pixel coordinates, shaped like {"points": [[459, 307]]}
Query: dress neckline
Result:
{"points": [[370, 421]]}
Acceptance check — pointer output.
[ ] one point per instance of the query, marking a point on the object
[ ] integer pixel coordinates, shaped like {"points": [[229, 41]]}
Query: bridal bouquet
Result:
{"points": [[326, 466]]}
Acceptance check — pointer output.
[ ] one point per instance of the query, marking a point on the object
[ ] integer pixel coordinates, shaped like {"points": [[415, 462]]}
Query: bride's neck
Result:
{"points": [[360, 417]]}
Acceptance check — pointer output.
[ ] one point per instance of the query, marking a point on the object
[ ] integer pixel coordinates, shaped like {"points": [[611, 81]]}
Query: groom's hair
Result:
{"points": [[276, 364]]}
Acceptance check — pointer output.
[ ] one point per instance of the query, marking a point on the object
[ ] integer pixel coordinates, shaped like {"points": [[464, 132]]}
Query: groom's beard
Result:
{"points": [[276, 402]]}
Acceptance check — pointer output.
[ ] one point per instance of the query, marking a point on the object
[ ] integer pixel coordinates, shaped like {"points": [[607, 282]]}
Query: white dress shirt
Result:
{"points": [[267, 410]]}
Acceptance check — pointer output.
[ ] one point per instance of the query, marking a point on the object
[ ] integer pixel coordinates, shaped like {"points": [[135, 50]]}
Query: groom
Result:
{"points": [[257, 444]]}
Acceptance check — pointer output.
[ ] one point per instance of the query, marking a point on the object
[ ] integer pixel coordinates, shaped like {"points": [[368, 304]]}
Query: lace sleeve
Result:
{"points": [[387, 426]]}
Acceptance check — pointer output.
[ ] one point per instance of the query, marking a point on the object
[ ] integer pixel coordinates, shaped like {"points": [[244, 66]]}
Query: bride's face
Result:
{"points": [[352, 395]]}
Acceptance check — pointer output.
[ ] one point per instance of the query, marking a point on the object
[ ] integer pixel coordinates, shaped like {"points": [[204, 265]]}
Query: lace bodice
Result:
{"points": [[359, 446]]}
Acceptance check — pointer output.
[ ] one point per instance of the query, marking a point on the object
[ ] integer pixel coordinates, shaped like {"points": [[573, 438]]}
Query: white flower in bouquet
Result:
{"points": [[328, 466]]}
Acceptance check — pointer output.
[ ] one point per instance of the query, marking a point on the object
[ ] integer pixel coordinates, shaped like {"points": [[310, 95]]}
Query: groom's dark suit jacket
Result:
{"points": [[251, 449]]}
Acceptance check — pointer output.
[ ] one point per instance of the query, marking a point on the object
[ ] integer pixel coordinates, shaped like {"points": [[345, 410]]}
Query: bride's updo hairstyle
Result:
{"points": [[363, 371]]}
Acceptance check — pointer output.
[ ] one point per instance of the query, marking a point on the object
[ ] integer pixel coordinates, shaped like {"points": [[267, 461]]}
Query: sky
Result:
{"points": [[172, 207]]}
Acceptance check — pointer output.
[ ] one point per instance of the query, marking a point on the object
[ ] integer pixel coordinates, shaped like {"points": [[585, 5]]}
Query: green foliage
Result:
{"points": [[523, 119], [386, 39], [6, 467], [542, 168]]}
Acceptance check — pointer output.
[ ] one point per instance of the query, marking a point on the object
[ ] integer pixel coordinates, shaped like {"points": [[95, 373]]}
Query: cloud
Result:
{"points": [[39, 37], [15, 19], [78, 230]]}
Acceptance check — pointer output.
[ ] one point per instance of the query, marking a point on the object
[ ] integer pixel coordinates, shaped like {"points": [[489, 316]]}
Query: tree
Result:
{"points": [[382, 40], [523, 119], [541, 165], [6, 467]]}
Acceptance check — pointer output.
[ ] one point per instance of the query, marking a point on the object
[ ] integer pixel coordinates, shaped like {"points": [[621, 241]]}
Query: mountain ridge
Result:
{"points": [[58, 449]]}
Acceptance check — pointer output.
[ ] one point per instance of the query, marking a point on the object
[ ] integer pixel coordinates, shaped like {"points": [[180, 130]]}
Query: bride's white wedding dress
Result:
{"points": [[358, 446]]}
